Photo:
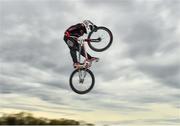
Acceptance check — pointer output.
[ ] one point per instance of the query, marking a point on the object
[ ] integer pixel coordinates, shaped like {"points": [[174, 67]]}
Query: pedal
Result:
{"points": [[78, 66], [97, 60]]}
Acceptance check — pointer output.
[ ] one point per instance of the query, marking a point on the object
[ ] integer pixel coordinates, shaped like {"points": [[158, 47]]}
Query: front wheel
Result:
{"points": [[82, 81], [104, 39]]}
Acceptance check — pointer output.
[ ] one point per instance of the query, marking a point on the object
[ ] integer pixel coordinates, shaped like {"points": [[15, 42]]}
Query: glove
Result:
{"points": [[95, 26]]}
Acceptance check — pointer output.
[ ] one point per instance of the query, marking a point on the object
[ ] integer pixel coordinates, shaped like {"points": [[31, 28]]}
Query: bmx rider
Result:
{"points": [[77, 31]]}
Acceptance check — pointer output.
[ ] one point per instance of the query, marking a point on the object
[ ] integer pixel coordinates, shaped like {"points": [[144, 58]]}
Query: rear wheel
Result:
{"points": [[82, 81], [105, 37]]}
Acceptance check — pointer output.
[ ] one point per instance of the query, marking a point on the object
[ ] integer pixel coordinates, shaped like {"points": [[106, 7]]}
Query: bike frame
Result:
{"points": [[82, 45], [86, 64]]}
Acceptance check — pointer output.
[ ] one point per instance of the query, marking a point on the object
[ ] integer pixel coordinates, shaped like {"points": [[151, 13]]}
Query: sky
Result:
{"points": [[137, 78]]}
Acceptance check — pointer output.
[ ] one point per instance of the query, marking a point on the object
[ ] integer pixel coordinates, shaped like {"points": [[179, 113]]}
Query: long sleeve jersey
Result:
{"points": [[76, 30]]}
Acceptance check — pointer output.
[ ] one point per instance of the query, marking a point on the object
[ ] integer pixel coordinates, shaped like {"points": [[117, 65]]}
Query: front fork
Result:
{"points": [[82, 75], [82, 72]]}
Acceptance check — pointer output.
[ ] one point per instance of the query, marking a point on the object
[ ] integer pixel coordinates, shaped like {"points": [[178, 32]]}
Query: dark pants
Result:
{"points": [[74, 46]]}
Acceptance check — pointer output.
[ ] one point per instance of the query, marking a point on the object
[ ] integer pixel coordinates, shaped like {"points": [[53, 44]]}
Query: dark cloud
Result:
{"points": [[124, 108], [142, 40], [34, 53], [31, 43], [43, 91], [167, 74], [148, 33], [11, 86], [154, 99]]}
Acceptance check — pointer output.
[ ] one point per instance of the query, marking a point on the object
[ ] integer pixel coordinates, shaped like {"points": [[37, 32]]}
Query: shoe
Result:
{"points": [[76, 65], [93, 59]]}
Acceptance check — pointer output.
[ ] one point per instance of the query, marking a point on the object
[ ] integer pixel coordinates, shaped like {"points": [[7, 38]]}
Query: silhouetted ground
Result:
{"points": [[23, 118]]}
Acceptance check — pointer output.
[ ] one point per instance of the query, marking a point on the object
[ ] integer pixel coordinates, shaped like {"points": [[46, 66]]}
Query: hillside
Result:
{"points": [[23, 118]]}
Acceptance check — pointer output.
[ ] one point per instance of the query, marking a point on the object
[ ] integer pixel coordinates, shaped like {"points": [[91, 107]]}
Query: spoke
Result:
{"points": [[86, 82], [104, 38]]}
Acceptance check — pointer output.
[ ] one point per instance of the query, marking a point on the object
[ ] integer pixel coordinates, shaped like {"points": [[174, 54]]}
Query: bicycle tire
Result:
{"points": [[109, 43], [85, 91]]}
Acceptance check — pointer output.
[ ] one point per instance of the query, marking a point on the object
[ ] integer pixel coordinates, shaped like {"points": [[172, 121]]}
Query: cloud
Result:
{"points": [[168, 74], [140, 68], [160, 121], [151, 41]]}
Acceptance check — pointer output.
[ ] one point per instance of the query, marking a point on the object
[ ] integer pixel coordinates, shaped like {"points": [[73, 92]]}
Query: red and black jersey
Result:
{"points": [[76, 30]]}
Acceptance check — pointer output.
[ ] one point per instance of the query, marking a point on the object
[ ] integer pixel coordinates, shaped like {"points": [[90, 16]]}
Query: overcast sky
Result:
{"points": [[137, 78]]}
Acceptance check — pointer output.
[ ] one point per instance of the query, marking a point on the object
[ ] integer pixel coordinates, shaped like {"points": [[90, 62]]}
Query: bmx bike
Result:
{"points": [[82, 79]]}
